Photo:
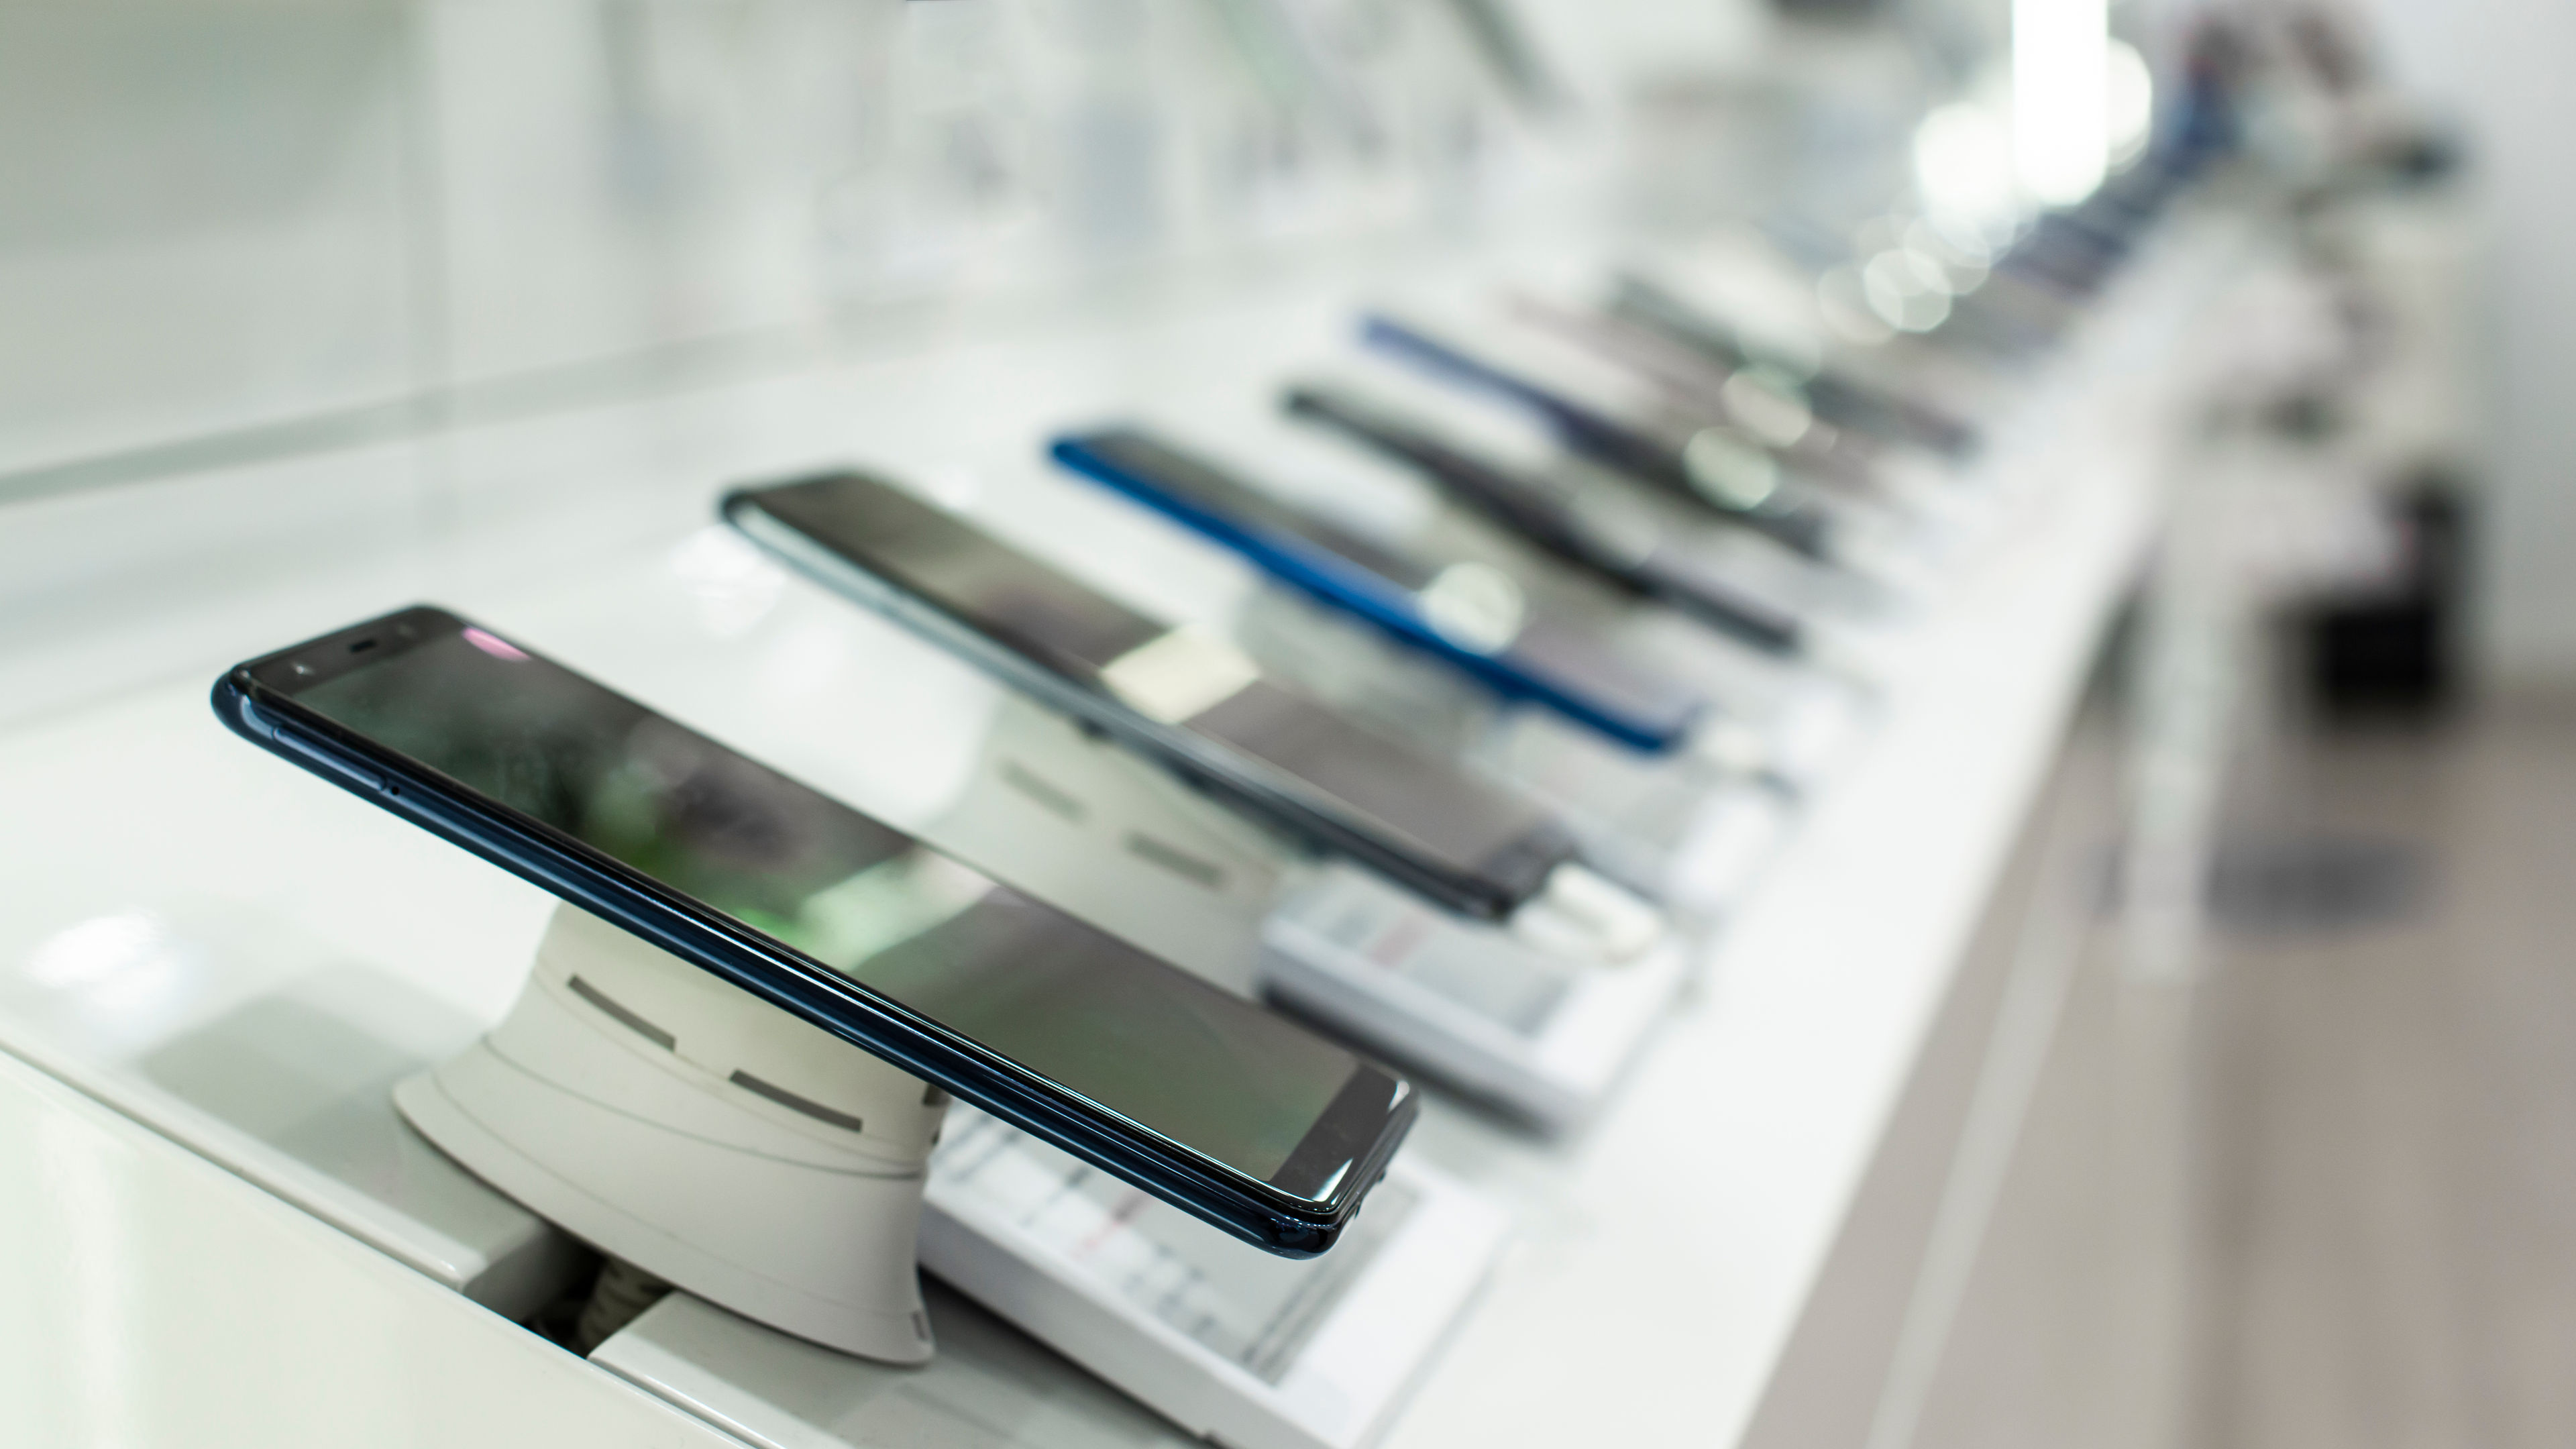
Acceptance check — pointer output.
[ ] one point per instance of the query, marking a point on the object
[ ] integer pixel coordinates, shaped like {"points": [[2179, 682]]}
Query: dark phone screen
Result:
{"points": [[1064, 624], [1057, 621], [1126, 1031], [1419, 800]]}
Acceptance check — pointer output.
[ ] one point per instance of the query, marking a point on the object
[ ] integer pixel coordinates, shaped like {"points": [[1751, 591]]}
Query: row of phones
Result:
{"points": [[1234, 1114], [1772, 583]]}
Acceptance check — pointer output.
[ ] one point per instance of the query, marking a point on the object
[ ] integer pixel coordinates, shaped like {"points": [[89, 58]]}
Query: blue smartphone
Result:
{"points": [[1188, 703], [1207, 1101], [1616, 443], [1510, 499], [1464, 619]]}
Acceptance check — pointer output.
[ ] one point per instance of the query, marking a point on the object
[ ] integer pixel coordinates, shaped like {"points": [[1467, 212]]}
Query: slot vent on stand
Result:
{"points": [[1050, 796], [794, 1103], [1179, 862], [623, 1017]]}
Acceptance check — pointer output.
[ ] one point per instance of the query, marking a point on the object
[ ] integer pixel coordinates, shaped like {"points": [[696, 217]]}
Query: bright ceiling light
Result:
{"points": [[1963, 171], [2061, 97], [2131, 94]]}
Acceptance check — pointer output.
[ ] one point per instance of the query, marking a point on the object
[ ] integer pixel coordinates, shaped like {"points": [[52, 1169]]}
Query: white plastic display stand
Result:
{"points": [[674, 1120], [1223, 1342], [764, 1166]]}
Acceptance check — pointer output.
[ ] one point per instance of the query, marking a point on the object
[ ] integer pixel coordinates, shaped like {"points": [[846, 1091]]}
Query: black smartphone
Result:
{"points": [[1614, 442], [1131, 1064], [1837, 397], [1189, 702], [1543, 515]]}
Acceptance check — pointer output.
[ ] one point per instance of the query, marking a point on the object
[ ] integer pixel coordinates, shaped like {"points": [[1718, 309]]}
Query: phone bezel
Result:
{"points": [[1259, 1212]]}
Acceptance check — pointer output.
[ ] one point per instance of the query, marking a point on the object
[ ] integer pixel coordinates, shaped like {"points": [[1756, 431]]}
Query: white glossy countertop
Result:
{"points": [[147, 1297]]}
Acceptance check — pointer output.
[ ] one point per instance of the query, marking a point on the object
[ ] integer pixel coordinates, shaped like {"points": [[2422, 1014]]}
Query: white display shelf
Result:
{"points": [[1665, 1254]]}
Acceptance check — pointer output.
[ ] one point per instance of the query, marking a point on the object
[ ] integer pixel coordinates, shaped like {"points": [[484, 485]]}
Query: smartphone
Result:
{"points": [[1666, 464], [1545, 517], [1837, 397], [1233, 1114], [1188, 701], [1469, 615]]}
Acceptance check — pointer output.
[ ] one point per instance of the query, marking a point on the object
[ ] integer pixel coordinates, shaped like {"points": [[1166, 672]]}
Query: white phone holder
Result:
{"points": [[672, 1119]]}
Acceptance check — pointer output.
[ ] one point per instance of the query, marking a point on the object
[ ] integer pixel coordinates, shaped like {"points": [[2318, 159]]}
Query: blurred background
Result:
{"points": [[263, 262]]}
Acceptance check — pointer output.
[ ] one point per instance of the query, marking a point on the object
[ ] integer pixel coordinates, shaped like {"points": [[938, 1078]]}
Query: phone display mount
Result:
{"points": [[673, 1120], [761, 1165]]}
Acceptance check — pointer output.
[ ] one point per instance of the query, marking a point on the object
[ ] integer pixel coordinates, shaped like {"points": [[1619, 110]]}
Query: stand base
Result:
{"points": [[796, 1205]]}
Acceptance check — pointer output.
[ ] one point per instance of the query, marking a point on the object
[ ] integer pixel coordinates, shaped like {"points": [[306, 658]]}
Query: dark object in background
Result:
{"points": [[2423, 155], [2315, 886], [2394, 653], [2289, 886]]}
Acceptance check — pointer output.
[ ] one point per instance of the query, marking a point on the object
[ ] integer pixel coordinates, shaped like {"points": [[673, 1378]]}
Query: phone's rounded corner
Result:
{"points": [[741, 500], [738, 502], [1069, 450], [1299, 1239], [1659, 739], [233, 705]]}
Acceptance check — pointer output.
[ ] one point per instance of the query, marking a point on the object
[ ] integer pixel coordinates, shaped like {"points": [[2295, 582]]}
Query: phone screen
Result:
{"points": [[1421, 802], [1129, 1032], [1011, 598]]}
